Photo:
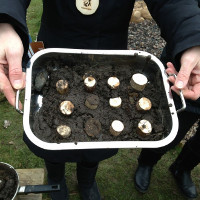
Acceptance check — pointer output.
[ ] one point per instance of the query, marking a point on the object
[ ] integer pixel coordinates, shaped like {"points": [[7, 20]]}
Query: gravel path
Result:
{"points": [[145, 36]]}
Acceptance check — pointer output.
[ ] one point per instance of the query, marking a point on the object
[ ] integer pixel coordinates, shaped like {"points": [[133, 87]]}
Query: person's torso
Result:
{"points": [[63, 25]]}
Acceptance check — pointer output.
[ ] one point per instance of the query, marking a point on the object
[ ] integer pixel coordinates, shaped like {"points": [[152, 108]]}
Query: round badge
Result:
{"points": [[87, 7]]}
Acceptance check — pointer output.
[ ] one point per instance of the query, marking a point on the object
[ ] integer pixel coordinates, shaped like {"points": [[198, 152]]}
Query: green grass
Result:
{"points": [[34, 18], [115, 175]]}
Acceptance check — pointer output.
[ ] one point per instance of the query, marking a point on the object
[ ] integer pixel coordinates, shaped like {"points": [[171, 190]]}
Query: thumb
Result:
{"points": [[183, 76], [15, 70]]}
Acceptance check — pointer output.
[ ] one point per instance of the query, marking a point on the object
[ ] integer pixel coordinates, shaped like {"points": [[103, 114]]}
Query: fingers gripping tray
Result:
{"points": [[88, 99]]}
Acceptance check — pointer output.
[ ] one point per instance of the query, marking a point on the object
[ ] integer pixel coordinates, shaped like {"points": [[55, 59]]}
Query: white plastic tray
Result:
{"points": [[33, 101]]}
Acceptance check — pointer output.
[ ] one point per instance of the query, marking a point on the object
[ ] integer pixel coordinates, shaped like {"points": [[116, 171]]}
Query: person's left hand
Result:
{"points": [[188, 78], [11, 51]]}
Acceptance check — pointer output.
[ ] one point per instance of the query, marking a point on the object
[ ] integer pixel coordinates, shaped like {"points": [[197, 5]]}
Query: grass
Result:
{"points": [[34, 18], [115, 175]]}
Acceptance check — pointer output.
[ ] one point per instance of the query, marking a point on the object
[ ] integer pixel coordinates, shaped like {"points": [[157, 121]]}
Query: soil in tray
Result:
{"points": [[8, 183], [50, 117]]}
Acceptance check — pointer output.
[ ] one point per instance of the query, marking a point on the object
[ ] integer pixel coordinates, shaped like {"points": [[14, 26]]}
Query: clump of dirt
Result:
{"points": [[49, 117], [8, 182]]}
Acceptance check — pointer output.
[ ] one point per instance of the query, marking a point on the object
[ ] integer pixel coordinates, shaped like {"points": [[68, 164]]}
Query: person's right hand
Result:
{"points": [[188, 77], [11, 52]]}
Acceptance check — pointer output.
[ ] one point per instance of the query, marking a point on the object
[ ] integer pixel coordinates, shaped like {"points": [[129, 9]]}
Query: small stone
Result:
{"points": [[6, 124], [40, 80], [11, 143]]}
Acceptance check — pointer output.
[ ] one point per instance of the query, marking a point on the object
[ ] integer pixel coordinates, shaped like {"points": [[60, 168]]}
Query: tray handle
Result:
{"points": [[38, 189], [181, 96], [17, 102]]}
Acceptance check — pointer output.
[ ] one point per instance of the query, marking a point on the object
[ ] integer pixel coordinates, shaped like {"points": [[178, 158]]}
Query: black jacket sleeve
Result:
{"points": [[179, 21], [14, 12]]}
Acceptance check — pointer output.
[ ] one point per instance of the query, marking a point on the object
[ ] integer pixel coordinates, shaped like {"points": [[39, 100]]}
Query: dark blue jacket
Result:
{"points": [[179, 21], [63, 25]]}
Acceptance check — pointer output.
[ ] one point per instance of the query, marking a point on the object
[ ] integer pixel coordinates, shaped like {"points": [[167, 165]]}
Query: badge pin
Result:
{"points": [[87, 7]]}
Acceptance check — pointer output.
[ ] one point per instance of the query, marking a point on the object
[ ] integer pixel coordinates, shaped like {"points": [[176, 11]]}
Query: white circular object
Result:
{"points": [[145, 103], [117, 126], [64, 131], [66, 107], [139, 79], [113, 82], [90, 82], [115, 102], [87, 7], [62, 86], [145, 126]]}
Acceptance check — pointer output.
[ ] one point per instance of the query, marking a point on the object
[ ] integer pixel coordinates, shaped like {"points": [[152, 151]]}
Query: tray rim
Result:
{"points": [[97, 144]]}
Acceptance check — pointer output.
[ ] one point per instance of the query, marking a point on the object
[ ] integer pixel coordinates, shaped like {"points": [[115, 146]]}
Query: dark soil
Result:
{"points": [[49, 116], [8, 182], [145, 36]]}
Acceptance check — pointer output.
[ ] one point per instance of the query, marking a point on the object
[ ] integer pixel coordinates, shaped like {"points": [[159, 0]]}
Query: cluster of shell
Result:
{"points": [[137, 82]]}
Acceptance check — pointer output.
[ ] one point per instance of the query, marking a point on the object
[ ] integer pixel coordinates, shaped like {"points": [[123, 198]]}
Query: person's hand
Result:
{"points": [[11, 52], [188, 78]]}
